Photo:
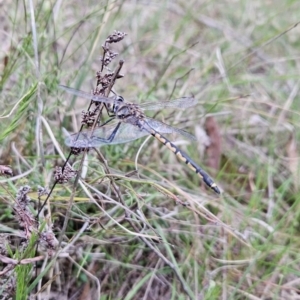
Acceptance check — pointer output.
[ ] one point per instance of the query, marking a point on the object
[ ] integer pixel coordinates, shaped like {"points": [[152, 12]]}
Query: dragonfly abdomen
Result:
{"points": [[182, 156]]}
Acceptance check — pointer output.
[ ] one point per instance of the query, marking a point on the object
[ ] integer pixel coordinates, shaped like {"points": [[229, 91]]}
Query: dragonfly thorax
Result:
{"points": [[123, 112], [129, 112]]}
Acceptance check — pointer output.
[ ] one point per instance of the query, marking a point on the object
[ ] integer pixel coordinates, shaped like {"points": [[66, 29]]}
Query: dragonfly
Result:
{"points": [[131, 123]]}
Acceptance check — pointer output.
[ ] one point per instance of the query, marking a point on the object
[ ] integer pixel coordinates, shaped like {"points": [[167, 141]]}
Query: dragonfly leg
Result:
{"points": [[112, 135], [106, 122], [109, 111]]}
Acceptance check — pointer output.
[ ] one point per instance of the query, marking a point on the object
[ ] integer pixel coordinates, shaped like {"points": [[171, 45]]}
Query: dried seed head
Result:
{"points": [[105, 82], [22, 213], [109, 56], [42, 191], [64, 177], [8, 282], [3, 243], [77, 150], [6, 170], [107, 78], [22, 197], [48, 242], [115, 37], [97, 91], [98, 76], [88, 117], [105, 48]]}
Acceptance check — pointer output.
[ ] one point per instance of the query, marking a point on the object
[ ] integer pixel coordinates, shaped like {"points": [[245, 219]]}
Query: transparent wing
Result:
{"points": [[125, 133], [184, 102], [164, 128], [88, 96]]}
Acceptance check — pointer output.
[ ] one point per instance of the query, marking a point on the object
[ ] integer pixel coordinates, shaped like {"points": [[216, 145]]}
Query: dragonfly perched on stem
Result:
{"points": [[131, 124]]}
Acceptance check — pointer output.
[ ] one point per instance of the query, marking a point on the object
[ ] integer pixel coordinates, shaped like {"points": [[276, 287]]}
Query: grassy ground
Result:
{"points": [[158, 233]]}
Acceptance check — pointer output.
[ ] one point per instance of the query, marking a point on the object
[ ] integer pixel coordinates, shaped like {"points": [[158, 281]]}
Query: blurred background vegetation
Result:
{"points": [[240, 59]]}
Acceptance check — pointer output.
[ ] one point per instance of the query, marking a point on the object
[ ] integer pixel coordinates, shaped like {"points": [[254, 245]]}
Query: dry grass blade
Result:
{"points": [[293, 160], [138, 225]]}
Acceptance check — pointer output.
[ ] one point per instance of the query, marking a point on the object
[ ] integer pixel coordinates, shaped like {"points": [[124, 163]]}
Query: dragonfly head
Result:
{"points": [[118, 101]]}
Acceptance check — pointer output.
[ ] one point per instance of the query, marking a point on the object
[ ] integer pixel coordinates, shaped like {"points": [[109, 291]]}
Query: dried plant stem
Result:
{"points": [[91, 276], [107, 92], [68, 213], [116, 73], [114, 185]]}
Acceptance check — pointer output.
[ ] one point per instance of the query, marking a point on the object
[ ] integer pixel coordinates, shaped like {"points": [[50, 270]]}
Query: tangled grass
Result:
{"points": [[130, 221]]}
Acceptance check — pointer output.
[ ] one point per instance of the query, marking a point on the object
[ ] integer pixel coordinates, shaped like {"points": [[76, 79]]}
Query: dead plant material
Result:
{"points": [[6, 170], [23, 214], [42, 191], [105, 82], [26, 261], [8, 282], [90, 118], [28, 222], [214, 150], [75, 151], [48, 242], [4, 242], [63, 176], [293, 160]]}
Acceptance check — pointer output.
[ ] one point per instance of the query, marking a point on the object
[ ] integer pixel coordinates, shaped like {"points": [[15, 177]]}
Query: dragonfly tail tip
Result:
{"points": [[215, 188]]}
